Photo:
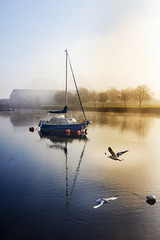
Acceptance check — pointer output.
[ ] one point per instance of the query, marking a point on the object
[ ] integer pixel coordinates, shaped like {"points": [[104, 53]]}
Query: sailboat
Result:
{"points": [[61, 123]]}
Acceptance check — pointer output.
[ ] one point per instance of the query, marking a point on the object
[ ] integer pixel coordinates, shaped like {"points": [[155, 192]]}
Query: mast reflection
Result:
{"points": [[60, 141]]}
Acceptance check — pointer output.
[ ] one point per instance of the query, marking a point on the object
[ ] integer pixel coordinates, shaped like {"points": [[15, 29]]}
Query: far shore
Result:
{"points": [[114, 109], [110, 109]]}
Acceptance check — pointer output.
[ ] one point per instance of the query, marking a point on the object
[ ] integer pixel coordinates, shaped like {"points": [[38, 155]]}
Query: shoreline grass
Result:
{"points": [[119, 109]]}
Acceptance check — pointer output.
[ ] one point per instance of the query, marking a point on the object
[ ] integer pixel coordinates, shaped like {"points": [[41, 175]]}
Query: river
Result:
{"points": [[49, 185]]}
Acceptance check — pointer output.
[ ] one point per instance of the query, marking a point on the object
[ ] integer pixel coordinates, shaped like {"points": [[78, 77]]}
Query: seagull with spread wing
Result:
{"points": [[100, 201], [115, 156]]}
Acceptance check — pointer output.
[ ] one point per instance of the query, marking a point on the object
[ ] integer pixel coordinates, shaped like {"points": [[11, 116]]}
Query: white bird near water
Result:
{"points": [[100, 201], [115, 156]]}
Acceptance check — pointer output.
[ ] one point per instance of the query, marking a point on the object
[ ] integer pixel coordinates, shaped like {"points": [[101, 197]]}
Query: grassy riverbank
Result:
{"points": [[120, 109], [117, 109]]}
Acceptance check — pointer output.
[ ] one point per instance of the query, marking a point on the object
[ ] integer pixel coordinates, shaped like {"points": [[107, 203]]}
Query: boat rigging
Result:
{"points": [[61, 123]]}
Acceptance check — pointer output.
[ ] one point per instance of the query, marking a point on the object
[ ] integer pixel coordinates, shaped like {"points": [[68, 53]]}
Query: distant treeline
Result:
{"points": [[91, 100], [110, 97]]}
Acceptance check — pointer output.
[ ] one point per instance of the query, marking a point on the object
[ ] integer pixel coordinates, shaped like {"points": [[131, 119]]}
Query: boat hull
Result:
{"points": [[46, 128]]}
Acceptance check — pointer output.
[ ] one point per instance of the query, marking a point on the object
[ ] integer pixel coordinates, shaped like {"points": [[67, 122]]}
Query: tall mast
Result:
{"points": [[66, 81], [76, 87]]}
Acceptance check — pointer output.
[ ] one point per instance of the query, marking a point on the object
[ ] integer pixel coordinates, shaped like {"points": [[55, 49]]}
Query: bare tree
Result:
{"points": [[93, 97], [125, 95], [84, 95], [70, 98], [142, 93], [59, 97], [112, 94], [74, 100], [102, 97]]}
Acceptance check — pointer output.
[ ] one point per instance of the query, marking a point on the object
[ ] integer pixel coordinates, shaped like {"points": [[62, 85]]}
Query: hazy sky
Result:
{"points": [[111, 43]]}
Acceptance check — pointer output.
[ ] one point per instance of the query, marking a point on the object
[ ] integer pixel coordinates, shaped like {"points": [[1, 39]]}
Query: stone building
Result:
{"points": [[4, 104], [24, 98]]}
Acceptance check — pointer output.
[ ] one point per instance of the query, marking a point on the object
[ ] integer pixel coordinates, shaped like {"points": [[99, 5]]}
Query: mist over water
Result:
{"points": [[49, 185]]}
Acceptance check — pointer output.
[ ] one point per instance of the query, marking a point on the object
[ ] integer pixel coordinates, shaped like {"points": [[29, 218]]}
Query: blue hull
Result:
{"points": [[62, 128]]}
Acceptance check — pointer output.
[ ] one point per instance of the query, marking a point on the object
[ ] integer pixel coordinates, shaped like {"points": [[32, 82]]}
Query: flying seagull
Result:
{"points": [[115, 156], [100, 201]]}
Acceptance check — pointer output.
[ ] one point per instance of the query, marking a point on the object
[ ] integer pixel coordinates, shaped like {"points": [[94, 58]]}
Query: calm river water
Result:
{"points": [[49, 185]]}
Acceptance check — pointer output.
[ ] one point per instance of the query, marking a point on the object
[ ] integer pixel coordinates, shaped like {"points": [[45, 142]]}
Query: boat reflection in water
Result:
{"points": [[59, 141]]}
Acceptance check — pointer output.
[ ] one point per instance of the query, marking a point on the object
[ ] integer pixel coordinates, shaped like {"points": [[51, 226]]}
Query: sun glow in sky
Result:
{"points": [[111, 43]]}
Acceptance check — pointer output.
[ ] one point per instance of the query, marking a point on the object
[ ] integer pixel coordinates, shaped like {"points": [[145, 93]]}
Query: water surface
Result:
{"points": [[48, 185]]}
